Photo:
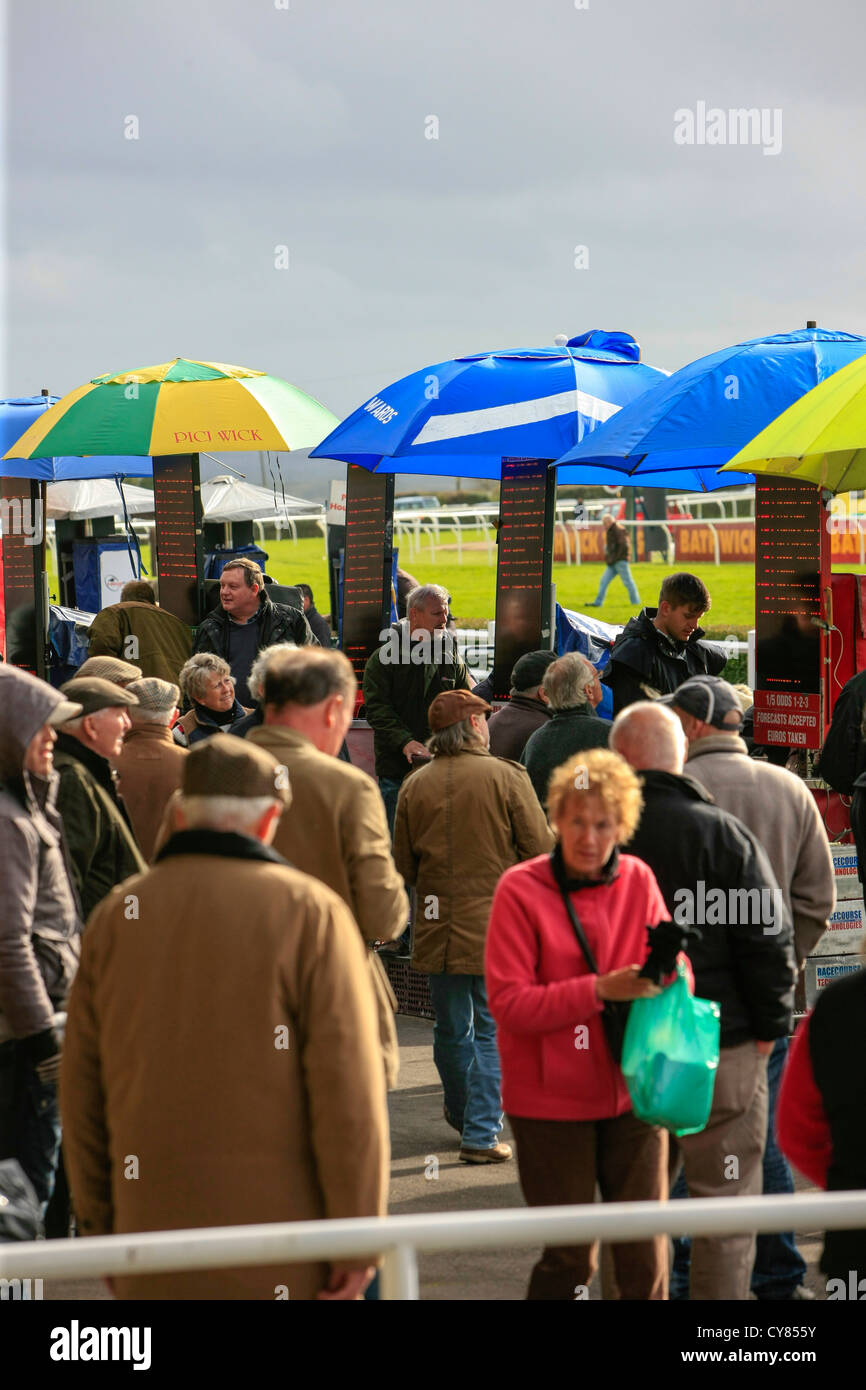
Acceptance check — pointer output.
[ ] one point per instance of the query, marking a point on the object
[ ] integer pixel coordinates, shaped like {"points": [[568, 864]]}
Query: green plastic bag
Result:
{"points": [[670, 1055]]}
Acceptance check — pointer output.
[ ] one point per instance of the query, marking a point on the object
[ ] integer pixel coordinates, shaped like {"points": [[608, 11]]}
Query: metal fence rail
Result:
{"points": [[399, 1238]]}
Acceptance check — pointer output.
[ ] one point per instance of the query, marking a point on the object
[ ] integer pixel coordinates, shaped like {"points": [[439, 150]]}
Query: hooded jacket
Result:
{"points": [[642, 656], [715, 876], [40, 924]]}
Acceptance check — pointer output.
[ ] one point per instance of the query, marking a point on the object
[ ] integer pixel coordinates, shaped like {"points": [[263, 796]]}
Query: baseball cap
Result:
{"points": [[709, 699], [529, 669], [92, 694], [109, 668], [225, 766], [453, 706]]}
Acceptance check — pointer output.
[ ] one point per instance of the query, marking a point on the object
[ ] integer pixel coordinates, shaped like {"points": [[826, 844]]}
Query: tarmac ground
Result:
{"points": [[427, 1176]]}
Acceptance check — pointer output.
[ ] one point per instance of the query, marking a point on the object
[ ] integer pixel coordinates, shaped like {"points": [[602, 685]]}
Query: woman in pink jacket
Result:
{"points": [[564, 1094]]}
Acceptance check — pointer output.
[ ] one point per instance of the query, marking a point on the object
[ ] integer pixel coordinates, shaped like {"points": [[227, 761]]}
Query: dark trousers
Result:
{"points": [[560, 1162], [29, 1120]]}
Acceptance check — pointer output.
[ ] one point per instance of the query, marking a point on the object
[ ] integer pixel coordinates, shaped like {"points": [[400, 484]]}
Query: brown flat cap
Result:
{"points": [[93, 694], [453, 706], [109, 668], [226, 766]]}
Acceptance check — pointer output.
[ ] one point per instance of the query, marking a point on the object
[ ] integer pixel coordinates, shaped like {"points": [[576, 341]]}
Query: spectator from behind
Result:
{"points": [[102, 849], [783, 816], [319, 626], [822, 1114], [228, 1040], [39, 926], [573, 691], [461, 822], [138, 630], [744, 959], [208, 686], [149, 767], [336, 829], [564, 1094], [526, 711]]}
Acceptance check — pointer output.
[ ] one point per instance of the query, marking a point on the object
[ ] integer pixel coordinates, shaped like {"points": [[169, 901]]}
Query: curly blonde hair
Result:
{"points": [[608, 776]]}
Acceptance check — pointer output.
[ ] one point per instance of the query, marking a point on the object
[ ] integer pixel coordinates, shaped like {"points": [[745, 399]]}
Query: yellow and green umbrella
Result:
{"points": [[178, 407], [819, 439]]}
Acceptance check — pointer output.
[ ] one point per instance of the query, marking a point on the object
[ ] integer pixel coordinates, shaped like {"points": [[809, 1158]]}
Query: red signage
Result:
{"points": [[788, 718]]}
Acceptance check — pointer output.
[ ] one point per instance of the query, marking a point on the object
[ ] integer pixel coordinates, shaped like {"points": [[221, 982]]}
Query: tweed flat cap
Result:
{"points": [[226, 766], [109, 668], [93, 694], [452, 706], [154, 696]]}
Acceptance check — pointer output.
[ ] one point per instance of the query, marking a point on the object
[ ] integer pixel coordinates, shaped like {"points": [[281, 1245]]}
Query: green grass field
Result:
{"points": [[472, 584]]}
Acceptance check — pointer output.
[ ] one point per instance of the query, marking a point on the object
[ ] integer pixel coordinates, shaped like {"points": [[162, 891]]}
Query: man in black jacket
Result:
{"points": [[617, 553], [319, 626], [714, 875], [246, 621], [662, 647], [527, 710]]}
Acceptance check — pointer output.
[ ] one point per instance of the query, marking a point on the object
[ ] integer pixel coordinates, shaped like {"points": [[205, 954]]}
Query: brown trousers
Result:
{"points": [[726, 1160], [560, 1162]]}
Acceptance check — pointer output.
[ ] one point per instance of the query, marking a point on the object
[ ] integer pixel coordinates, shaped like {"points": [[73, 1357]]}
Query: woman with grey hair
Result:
{"points": [[208, 687]]}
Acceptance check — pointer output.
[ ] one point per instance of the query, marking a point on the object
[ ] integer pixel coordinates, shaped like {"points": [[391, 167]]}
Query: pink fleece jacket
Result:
{"points": [[556, 1064]]}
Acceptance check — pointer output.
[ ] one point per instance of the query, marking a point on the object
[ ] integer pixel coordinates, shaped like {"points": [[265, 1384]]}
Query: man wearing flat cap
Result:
{"points": [[224, 1037], [462, 820], [102, 847], [528, 709], [40, 926], [149, 766]]}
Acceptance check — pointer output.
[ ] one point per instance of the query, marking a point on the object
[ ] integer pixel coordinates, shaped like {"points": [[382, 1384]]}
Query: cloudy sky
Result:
{"points": [[305, 124]]}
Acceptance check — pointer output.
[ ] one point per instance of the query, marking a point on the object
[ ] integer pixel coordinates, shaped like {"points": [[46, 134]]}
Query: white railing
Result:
{"points": [[399, 1238]]}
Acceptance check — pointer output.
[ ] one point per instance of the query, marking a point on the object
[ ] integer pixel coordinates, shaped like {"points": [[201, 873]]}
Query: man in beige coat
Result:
{"points": [[782, 815], [336, 829], [222, 1061], [149, 766], [461, 822]]}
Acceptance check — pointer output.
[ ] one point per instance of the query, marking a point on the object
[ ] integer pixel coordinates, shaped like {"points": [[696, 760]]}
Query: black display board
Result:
{"points": [[24, 581], [792, 569], [367, 563], [177, 508], [527, 499]]}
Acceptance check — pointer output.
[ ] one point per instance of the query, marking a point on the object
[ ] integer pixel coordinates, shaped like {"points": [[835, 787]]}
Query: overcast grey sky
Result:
{"points": [[261, 126]]}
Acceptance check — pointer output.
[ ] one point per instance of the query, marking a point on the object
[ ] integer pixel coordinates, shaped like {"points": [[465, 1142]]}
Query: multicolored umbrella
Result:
{"points": [[819, 439], [178, 407]]}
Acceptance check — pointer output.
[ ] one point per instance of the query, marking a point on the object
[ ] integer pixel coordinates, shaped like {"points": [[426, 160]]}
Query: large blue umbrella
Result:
{"points": [[464, 416], [684, 428], [17, 415]]}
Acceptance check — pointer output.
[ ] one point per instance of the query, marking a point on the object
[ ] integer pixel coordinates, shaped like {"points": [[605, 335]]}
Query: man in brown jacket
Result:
{"points": [[461, 822], [222, 1062], [137, 629], [336, 829], [617, 553], [149, 767]]}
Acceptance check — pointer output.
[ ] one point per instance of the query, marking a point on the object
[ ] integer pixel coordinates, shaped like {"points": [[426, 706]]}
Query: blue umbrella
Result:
{"points": [[464, 416], [17, 415], [684, 428]]}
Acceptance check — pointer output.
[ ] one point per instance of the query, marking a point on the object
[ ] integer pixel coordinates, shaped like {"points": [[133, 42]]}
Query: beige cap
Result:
{"points": [[109, 668]]}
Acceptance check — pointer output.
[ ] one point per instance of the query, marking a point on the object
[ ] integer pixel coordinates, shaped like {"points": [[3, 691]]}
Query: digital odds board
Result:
{"points": [[177, 509], [527, 498], [792, 568], [367, 563]]}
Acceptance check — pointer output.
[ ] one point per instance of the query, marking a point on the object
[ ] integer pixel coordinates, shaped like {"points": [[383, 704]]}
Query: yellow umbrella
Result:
{"points": [[819, 439], [179, 407]]}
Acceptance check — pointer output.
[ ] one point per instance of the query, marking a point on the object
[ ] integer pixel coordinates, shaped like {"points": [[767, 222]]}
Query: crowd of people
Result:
{"points": [[198, 885]]}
